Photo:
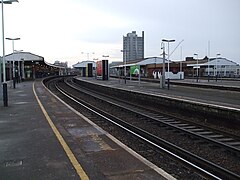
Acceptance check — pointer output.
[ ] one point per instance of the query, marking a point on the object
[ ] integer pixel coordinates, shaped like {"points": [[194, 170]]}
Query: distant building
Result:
{"points": [[215, 67], [133, 47], [62, 64], [86, 68], [29, 66], [220, 67]]}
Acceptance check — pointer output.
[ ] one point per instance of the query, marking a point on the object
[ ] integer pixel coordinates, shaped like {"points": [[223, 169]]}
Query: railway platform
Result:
{"points": [[191, 91], [43, 138]]}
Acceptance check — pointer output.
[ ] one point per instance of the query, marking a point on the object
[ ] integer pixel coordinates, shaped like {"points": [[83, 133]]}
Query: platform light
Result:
{"points": [[163, 68], [14, 78], [168, 41], [217, 55], [88, 53], [197, 65], [5, 95], [19, 74]]}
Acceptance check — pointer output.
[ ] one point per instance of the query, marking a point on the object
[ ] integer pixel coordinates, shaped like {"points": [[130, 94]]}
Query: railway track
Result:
{"points": [[204, 149]]}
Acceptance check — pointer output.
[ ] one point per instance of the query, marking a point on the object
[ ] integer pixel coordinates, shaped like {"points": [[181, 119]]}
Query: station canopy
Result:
{"points": [[214, 62], [146, 61], [152, 60], [221, 62], [29, 57], [23, 56], [83, 64]]}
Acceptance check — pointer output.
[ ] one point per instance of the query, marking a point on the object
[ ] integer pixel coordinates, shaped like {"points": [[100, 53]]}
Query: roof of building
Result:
{"points": [[221, 61], [152, 60], [83, 64], [216, 61], [145, 61], [26, 56]]}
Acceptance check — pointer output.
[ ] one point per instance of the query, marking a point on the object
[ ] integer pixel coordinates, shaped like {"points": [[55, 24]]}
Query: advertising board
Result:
{"points": [[99, 68], [134, 70]]}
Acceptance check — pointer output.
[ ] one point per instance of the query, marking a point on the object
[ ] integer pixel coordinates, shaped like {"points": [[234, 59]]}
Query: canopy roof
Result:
{"points": [[216, 61], [83, 64], [152, 60], [146, 61], [23, 56], [27, 56]]}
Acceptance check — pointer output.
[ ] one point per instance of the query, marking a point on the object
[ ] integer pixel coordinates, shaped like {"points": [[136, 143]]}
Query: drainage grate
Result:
{"points": [[13, 163]]}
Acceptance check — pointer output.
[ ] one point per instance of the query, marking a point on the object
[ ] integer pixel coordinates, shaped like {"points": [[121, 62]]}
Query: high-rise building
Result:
{"points": [[133, 47]]}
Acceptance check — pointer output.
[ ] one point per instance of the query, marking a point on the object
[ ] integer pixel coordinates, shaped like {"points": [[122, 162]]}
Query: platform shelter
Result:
{"points": [[27, 66]]}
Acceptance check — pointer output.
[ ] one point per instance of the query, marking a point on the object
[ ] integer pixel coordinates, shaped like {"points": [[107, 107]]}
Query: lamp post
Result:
{"points": [[217, 65], [19, 72], [163, 70], [5, 95], [87, 54], [125, 62], [14, 77], [208, 58], [181, 62], [168, 41], [208, 69], [197, 65]]}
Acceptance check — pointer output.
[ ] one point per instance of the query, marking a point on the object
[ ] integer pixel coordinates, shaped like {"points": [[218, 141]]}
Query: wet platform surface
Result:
{"points": [[29, 148]]}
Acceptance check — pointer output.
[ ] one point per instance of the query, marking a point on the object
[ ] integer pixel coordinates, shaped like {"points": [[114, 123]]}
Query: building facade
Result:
{"points": [[133, 47], [190, 68], [220, 67]]}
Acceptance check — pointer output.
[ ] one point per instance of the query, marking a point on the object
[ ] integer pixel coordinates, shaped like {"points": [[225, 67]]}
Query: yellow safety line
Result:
{"points": [[66, 148]]}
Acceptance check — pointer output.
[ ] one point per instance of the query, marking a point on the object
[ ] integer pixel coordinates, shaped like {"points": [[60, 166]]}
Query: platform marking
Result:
{"points": [[81, 173]]}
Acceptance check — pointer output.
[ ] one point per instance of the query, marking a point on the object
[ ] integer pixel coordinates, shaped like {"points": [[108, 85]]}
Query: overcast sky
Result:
{"points": [[62, 29]]}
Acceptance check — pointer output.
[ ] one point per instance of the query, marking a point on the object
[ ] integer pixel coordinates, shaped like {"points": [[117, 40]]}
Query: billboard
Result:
{"points": [[135, 69], [102, 70], [99, 68]]}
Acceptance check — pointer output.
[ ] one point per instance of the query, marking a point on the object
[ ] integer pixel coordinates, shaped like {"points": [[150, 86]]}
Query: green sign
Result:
{"points": [[135, 69]]}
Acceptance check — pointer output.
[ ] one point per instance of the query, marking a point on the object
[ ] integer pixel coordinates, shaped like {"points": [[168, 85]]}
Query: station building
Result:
{"points": [[30, 66], [148, 67], [85, 68], [221, 67]]}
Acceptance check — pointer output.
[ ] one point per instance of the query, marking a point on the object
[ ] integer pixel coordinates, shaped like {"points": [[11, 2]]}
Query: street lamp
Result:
{"points": [[208, 58], [163, 70], [19, 73], [197, 65], [216, 65], [87, 54], [5, 95], [181, 61], [168, 41], [14, 78], [125, 62]]}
